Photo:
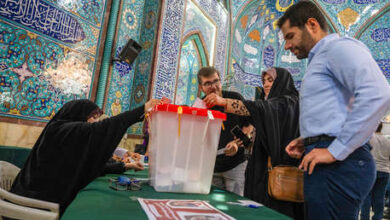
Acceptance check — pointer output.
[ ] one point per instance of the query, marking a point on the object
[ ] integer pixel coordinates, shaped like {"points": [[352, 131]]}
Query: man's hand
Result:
{"points": [[295, 148], [214, 99], [316, 156], [231, 148]]}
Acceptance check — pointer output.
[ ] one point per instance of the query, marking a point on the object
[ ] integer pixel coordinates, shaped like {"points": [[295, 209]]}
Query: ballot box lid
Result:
{"points": [[180, 109]]}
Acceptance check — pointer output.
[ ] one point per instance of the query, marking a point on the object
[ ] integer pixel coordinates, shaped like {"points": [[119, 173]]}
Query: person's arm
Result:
{"points": [[114, 167], [236, 107], [358, 73], [233, 106]]}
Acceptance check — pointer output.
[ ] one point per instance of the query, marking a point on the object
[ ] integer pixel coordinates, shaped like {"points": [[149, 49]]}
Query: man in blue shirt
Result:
{"points": [[342, 99]]}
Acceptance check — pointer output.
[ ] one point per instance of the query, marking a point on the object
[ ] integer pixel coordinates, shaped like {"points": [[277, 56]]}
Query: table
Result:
{"points": [[98, 201]]}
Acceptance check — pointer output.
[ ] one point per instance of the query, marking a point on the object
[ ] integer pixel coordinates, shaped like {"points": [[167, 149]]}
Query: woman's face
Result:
{"points": [[94, 118], [267, 83]]}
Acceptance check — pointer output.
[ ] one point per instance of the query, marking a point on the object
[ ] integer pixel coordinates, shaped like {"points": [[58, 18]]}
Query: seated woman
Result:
{"points": [[124, 155], [275, 116], [121, 161], [72, 151]]}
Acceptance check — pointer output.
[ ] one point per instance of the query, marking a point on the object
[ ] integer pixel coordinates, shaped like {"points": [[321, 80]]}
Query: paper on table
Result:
{"points": [[157, 209], [199, 103]]}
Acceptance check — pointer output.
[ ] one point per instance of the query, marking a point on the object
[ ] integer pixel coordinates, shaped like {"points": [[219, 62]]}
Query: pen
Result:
{"points": [[240, 204]]}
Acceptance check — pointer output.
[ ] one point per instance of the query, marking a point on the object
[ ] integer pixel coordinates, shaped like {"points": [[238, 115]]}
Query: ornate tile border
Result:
{"points": [[170, 39]]}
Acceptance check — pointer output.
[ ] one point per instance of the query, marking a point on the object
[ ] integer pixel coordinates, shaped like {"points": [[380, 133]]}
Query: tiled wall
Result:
{"points": [[128, 86], [49, 50], [48, 55], [257, 43], [175, 26]]}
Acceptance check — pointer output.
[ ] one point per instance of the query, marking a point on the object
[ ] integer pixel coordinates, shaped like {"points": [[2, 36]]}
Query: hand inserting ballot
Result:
{"points": [[213, 100]]}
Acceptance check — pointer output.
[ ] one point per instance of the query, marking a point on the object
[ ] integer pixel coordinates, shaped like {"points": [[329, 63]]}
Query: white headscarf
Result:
{"points": [[120, 152]]}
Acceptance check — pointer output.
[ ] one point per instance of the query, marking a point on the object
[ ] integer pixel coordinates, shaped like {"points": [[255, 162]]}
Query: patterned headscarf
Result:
{"points": [[271, 71]]}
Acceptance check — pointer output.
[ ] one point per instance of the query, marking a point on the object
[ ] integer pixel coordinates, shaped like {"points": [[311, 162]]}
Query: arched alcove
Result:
{"points": [[193, 56]]}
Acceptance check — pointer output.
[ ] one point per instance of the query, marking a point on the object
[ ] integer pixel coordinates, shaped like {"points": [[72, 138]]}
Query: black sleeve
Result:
{"points": [[92, 144], [114, 167], [107, 134]]}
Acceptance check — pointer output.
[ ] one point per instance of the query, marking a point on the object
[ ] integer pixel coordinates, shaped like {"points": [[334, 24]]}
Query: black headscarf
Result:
{"points": [[70, 152], [77, 110], [276, 122]]}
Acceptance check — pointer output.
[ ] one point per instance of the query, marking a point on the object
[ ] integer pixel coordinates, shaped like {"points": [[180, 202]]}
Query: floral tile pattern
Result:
{"points": [[47, 56]]}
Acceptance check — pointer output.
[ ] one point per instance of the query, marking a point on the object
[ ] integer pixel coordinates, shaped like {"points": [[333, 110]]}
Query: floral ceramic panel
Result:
{"points": [[377, 38], [258, 44], [143, 64], [349, 15], [122, 75], [47, 57]]}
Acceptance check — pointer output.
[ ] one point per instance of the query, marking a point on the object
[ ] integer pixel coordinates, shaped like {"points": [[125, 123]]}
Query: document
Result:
{"points": [[157, 209]]}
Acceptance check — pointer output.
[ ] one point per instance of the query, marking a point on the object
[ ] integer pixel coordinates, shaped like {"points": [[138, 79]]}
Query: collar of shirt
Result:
{"points": [[320, 44]]}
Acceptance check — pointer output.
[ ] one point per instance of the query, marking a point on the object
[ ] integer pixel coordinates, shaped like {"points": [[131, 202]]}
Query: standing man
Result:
{"points": [[343, 96], [229, 171]]}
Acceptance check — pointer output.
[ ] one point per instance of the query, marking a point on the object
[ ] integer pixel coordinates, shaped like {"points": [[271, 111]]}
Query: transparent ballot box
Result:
{"points": [[182, 148]]}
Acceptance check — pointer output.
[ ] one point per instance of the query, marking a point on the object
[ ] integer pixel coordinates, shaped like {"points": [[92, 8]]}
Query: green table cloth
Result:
{"points": [[98, 201]]}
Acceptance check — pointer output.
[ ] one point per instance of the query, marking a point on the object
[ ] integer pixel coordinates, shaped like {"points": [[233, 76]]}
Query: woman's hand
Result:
{"points": [[231, 148], [135, 156], [116, 158], [238, 141], [214, 99], [151, 103], [137, 166]]}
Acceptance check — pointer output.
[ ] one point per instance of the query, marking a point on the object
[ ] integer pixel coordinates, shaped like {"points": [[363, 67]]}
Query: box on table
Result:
{"points": [[183, 143]]}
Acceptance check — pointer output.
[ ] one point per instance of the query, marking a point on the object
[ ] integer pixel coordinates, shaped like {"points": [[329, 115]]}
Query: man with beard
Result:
{"points": [[229, 171], [343, 96]]}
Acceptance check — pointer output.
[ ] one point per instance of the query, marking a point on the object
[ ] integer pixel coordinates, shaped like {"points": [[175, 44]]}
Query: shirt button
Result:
{"points": [[361, 163]]}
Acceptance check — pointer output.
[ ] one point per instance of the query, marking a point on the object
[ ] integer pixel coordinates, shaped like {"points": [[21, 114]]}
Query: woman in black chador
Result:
{"points": [[72, 151], [275, 116]]}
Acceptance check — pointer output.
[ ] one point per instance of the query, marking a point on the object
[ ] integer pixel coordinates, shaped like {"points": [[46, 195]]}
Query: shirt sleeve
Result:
{"points": [[351, 65]]}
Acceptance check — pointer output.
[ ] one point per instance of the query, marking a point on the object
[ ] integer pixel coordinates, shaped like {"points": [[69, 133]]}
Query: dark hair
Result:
{"points": [[299, 13], [207, 71], [379, 128], [245, 121], [97, 111]]}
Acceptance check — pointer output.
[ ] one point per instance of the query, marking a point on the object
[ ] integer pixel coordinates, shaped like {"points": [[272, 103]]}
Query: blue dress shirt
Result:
{"points": [[344, 94]]}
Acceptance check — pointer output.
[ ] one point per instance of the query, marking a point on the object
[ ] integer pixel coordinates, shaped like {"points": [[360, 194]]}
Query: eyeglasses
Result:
{"points": [[209, 84]]}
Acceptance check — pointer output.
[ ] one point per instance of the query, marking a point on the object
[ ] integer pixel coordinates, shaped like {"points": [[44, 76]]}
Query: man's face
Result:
{"points": [[211, 84], [298, 41]]}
